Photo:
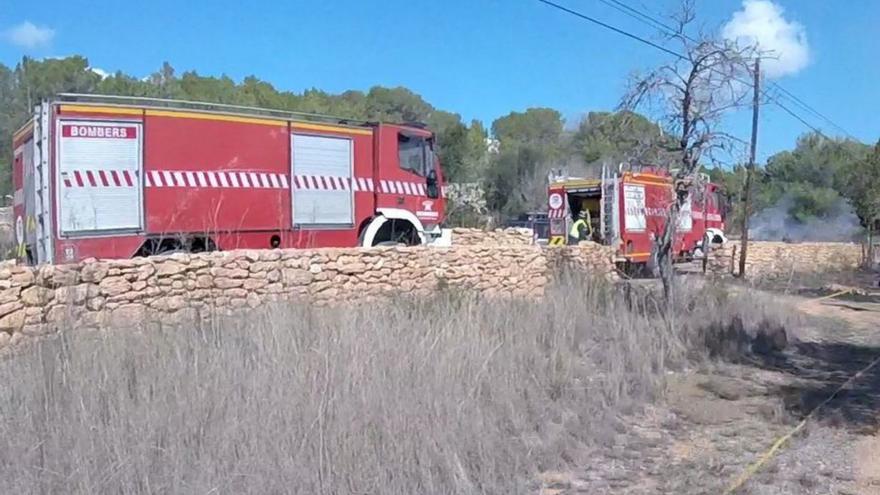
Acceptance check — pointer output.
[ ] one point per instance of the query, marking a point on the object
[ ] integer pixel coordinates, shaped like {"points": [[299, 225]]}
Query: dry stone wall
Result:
{"points": [[34, 301], [497, 237], [771, 260], [93, 293]]}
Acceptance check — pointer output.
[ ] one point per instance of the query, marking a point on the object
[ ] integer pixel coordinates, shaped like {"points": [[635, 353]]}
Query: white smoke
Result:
{"points": [[761, 23], [777, 224]]}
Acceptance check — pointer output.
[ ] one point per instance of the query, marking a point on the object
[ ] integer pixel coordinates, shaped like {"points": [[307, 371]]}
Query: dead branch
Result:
{"points": [[690, 97]]}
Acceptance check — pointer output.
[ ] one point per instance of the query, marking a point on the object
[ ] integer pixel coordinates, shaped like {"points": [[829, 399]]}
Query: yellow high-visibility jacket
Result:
{"points": [[581, 229]]}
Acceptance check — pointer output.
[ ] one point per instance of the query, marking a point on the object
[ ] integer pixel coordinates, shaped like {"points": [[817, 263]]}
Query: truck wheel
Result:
{"points": [[396, 233], [172, 245], [170, 251]]}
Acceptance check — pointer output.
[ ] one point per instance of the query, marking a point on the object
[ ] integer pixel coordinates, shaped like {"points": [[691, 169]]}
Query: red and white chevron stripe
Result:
{"points": [[402, 187], [315, 182], [331, 183], [560, 213], [100, 178], [238, 180], [214, 179]]}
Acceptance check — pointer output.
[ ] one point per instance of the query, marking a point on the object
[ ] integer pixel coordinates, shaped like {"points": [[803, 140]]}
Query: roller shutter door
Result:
{"points": [[322, 168], [99, 170]]}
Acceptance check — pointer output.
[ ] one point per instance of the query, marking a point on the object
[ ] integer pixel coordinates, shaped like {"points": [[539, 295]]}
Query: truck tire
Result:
{"points": [[396, 233]]}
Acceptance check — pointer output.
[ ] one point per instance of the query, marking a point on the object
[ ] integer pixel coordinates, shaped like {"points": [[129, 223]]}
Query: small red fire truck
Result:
{"points": [[114, 177], [628, 210]]}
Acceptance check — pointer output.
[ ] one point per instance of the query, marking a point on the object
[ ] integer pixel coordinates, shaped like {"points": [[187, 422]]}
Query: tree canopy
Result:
{"points": [[860, 183], [461, 146], [618, 137], [813, 181], [509, 161]]}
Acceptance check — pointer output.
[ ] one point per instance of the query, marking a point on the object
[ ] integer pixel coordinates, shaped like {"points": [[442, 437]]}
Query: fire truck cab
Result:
{"points": [[627, 210], [116, 177]]}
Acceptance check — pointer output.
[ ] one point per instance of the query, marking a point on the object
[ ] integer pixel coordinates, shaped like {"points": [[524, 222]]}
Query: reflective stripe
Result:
{"points": [[199, 179]]}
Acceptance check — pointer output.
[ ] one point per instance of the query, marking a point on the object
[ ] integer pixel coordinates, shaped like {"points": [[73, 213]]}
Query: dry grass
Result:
{"points": [[453, 394]]}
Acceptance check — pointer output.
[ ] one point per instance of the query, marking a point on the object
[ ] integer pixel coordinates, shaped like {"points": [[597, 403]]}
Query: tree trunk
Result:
{"points": [[869, 252], [663, 252]]}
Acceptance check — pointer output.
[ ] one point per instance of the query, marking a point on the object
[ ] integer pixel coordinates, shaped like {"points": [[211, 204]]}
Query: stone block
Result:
{"points": [[145, 271], [227, 283], [96, 303], [114, 286], [204, 281], [170, 267], [169, 304], [12, 321], [93, 271], [10, 307], [36, 296], [23, 278], [219, 272], [58, 275], [254, 283], [236, 293], [294, 277]]}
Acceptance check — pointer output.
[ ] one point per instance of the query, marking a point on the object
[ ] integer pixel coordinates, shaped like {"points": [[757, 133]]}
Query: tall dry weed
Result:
{"points": [[449, 394]]}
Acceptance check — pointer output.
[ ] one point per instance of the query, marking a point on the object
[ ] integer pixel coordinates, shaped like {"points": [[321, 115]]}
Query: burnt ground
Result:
{"points": [[716, 421]]}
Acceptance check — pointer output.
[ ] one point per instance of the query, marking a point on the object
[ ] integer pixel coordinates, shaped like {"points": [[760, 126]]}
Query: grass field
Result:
{"points": [[450, 394]]}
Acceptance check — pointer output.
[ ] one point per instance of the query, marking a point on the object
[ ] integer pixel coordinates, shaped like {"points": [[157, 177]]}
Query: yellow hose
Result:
{"points": [[832, 296], [766, 456]]}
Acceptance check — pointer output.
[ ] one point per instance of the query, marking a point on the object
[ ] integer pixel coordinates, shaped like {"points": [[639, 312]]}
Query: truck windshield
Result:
{"points": [[414, 153]]}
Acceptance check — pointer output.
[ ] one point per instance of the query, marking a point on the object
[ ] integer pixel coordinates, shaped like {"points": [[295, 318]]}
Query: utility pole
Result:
{"points": [[750, 171]]}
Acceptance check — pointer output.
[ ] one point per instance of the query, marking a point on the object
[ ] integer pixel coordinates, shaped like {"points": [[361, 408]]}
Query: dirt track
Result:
{"points": [[715, 422]]}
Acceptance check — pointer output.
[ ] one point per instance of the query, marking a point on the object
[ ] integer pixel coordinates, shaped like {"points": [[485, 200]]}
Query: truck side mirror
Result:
{"points": [[726, 206], [432, 188]]}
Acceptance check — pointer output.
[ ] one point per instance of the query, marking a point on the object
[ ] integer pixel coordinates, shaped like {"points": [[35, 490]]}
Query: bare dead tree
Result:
{"points": [[689, 97]]}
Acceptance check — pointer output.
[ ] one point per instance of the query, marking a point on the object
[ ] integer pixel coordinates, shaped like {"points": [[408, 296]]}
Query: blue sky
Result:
{"points": [[479, 58]]}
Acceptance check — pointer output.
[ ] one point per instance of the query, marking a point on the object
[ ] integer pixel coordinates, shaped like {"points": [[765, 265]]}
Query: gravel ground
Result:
{"points": [[818, 462], [714, 422]]}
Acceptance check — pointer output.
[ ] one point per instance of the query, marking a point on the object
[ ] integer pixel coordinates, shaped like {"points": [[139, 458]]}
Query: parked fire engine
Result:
{"points": [[628, 211], [112, 177]]}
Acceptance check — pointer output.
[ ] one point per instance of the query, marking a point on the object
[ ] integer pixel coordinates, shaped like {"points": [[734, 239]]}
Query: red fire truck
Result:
{"points": [[113, 177], [628, 210]]}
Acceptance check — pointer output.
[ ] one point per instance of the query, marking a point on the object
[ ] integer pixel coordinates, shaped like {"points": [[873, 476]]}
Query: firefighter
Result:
{"points": [[581, 229]]}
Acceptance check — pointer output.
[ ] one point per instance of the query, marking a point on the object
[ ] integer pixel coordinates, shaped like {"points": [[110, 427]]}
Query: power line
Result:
{"points": [[638, 15], [790, 112], [612, 28], [809, 108], [658, 24], [653, 22]]}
